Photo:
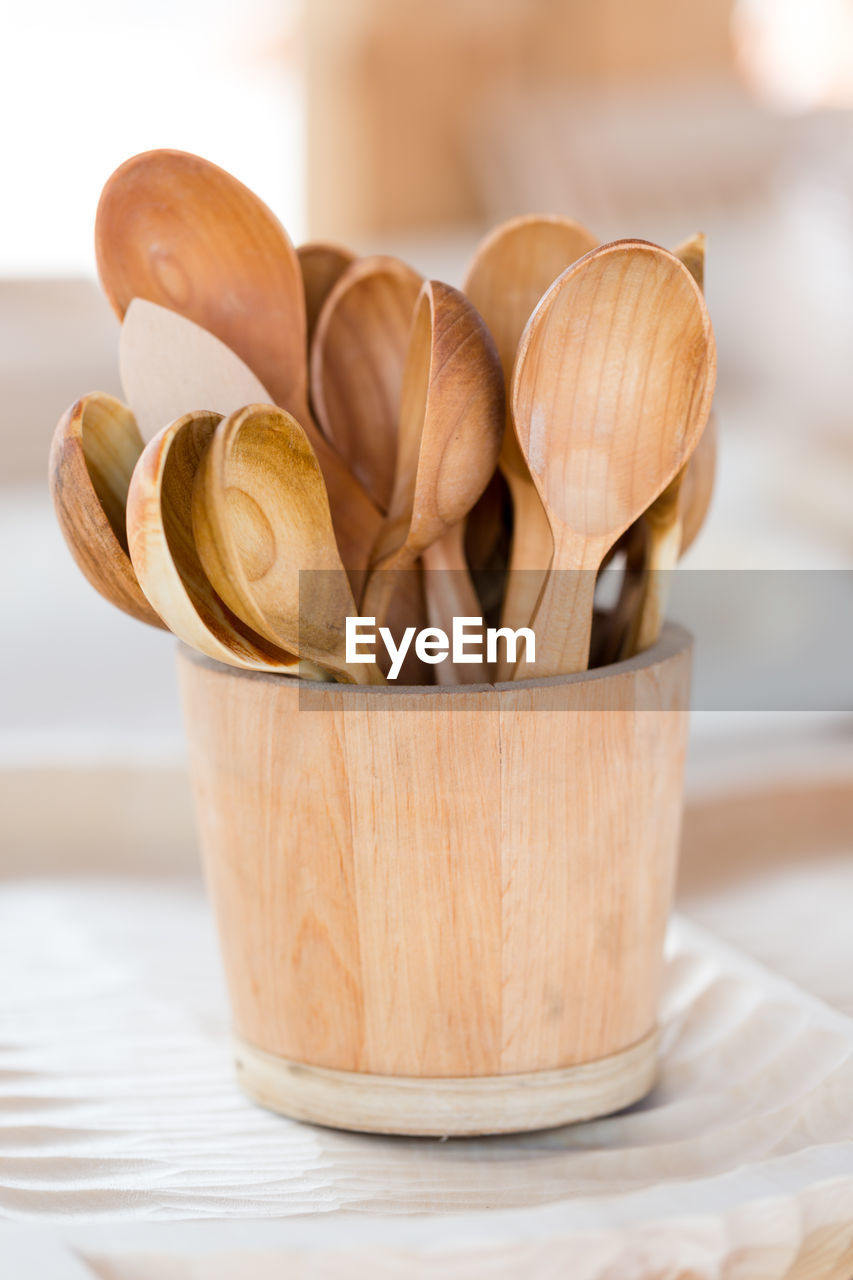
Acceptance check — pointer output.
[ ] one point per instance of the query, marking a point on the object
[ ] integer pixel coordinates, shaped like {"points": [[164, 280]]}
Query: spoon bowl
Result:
{"points": [[611, 390], [451, 420], [508, 275], [177, 230], [357, 363], [686, 497], [321, 266], [261, 520], [169, 366], [164, 554], [174, 229], [95, 447]]}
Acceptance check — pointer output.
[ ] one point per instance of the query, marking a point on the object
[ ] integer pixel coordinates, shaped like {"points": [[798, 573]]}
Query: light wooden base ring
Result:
{"points": [[447, 1106]]}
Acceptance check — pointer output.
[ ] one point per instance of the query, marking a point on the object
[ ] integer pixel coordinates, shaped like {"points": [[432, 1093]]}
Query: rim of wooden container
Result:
{"points": [[673, 642]]}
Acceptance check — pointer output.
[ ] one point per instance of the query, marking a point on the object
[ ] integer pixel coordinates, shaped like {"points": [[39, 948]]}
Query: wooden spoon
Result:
{"points": [[698, 485], [264, 534], [668, 535], [664, 520], [321, 266], [510, 271], [697, 481], [450, 426], [357, 363], [162, 547], [170, 365], [692, 253], [611, 390], [167, 363], [95, 447], [610, 641], [487, 543], [174, 229]]}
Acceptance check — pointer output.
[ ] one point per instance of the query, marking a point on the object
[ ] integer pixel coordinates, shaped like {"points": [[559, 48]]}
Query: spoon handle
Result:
{"points": [[562, 623], [609, 629], [450, 594], [663, 545], [530, 555], [382, 585], [355, 517]]}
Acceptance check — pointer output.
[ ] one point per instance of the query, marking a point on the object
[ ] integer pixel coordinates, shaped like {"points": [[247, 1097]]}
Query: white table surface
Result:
{"points": [[128, 1150]]}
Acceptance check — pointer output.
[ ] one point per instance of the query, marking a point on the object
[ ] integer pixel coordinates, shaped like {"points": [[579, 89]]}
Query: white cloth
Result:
{"points": [[119, 1114]]}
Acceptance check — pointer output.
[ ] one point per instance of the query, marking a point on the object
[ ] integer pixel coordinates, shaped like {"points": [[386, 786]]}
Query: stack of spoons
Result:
{"points": [[309, 437]]}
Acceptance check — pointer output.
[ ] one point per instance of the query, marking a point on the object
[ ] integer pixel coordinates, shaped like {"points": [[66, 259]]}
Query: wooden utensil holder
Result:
{"points": [[442, 910]]}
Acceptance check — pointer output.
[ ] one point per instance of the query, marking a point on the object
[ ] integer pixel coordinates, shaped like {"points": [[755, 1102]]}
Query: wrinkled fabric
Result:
{"points": [[118, 1106]]}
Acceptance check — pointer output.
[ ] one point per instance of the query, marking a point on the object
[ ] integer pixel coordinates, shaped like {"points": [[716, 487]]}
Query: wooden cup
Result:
{"points": [[442, 910]]}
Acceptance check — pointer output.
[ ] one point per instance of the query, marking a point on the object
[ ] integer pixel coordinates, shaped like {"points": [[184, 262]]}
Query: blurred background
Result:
{"points": [[413, 128]]}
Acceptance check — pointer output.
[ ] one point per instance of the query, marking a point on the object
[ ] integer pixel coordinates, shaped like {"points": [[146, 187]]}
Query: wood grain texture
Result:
{"points": [[615, 634], [263, 529], [165, 556], [450, 593], [451, 421], [611, 390], [510, 271], [493, 904], [176, 230], [321, 265], [698, 487], [94, 449], [357, 363], [662, 548], [686, 496], [622, 740]]}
